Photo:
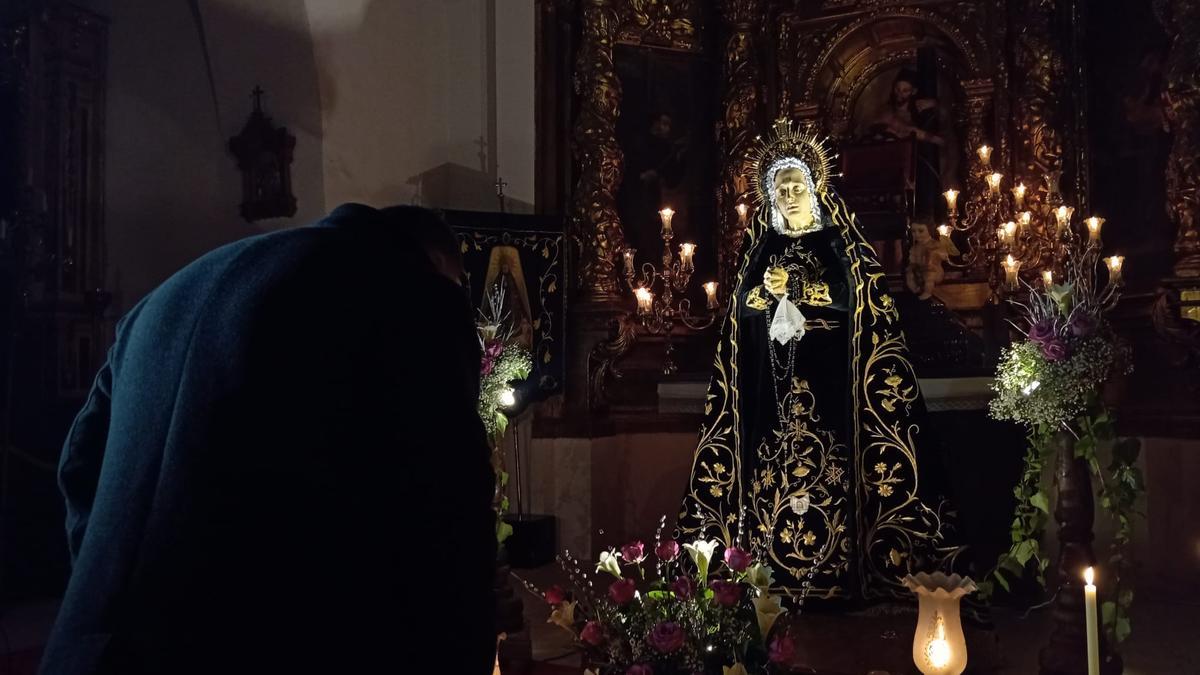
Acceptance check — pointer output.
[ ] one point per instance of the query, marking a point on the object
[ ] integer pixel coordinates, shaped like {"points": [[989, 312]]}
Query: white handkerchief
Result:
{"points": [[787, 323]]}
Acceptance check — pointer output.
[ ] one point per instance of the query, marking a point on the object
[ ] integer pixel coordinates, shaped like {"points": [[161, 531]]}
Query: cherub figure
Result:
{"points": [[926, 259]]}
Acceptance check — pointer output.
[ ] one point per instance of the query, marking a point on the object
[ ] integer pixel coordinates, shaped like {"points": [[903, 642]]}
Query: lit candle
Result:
{"points": [[686, 251], [711, 290], [1019, 195], [645, 300], [1115, 263], [1063, 215], [628, 254], [666, 215], [1011, 267], [1093, 226], [985, 154], [1010, 233], [943, 230], [951, 199], [1025, 218], [742, 210], [1048, 278], [993, 180], [1093, 632]]}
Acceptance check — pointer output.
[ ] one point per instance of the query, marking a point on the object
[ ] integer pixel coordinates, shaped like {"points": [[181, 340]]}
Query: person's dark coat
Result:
{"points": [[280, 469]]}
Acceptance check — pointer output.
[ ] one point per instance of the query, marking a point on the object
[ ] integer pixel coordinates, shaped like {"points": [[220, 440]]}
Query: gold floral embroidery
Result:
{"points": [[755, 299], [817, 294]]}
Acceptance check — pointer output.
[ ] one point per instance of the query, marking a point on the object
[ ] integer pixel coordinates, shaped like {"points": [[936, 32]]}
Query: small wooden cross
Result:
{"points": [[500, 184], [258, 94]]}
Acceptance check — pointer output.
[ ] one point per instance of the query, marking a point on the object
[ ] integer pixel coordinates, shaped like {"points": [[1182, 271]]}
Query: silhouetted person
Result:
{"points": [[280, 469]]}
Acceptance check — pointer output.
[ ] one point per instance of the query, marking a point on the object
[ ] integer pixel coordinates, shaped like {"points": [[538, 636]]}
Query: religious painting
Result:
{"points": [[914, 101], [524, 256], [665, 130], [1129, 138]]}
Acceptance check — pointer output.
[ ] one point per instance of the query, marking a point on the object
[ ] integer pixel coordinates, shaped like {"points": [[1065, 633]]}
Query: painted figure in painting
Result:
{"points": [[809, 454], [908, 113]]}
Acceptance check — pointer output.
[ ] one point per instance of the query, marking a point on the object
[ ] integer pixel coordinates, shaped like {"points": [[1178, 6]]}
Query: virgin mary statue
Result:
{"points": [[809, 456]]}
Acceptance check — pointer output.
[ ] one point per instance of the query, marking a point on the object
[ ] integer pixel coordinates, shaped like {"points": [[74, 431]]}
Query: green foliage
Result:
{"points": [[1119, 486]]}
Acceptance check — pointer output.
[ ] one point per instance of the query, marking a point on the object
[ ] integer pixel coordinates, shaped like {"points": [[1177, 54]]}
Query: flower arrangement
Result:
{"points": [[1049, 381], [502, 362], [672, 610]]}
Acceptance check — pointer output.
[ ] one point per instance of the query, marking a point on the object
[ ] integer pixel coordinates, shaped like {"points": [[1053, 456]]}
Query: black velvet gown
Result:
{"points": [[797, 465]]}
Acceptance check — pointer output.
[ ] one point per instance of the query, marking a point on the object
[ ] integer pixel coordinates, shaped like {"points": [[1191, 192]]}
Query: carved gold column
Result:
{"points": [[598, 158], [1181, 20], [739, 124]]}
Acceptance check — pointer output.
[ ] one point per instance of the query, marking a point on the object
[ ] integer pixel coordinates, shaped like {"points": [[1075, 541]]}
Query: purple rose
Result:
{"points": [[592, 633], [782, 650], [683, 587], [1082, 325], [666, 637], [1041, 331], [667, 550], [737, 559], [639, 669], [634, 552], [622, 591], [1054, 349], [491, 352], [727, 593], [555, 595]]}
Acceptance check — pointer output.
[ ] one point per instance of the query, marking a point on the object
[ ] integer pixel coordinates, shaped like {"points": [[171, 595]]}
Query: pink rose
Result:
{"points": [[667, 551], [684, 587], [555, 595], [592, 633], [782, 650], [727, 593], [639, 669], [1054, 349], [622, 590], [666, 637], [737, 559], [634, 552]]}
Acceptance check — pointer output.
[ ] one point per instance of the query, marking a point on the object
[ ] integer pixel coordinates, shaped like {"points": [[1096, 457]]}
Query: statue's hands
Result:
{"points": [[775, 280]]}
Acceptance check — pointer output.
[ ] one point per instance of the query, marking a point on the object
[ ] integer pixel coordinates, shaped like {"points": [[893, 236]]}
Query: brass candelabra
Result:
{"points": [[659, 312], [1021, 233]]}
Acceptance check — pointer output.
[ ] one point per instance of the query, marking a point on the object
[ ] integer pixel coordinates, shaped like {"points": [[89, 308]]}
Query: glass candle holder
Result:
{"points": [[943, 230], [993, 181], [1093, 226], [1062, 216], [686, 251], [1012, 268], [985, 154], [1025, 218], [939, 646], [645, 300], [1115, 264], [742, 211], [1048, 278], [666, 214], [628, 255], [710, 290], [1019, 195], [951, 200]]}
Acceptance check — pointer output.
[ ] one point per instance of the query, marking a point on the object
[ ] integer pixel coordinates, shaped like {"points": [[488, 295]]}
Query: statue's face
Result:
{"points": [[902, 90], [793, 199], [920, 233]]}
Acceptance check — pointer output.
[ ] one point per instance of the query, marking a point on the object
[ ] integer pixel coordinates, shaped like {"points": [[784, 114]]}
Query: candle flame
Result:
{"points": [[1115, 262], [710, 288], [686, 250], [643, 294], [1089, 576], [666, 212], [944, 230], [741, 209]]}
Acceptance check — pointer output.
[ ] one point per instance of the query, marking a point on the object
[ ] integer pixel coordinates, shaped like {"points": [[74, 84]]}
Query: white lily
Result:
{"points": [[767, 608], [610, 561], [702, 553], [761, 577], [563, 615]]}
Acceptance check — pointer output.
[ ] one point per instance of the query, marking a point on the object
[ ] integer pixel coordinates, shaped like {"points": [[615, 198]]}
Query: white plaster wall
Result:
{"points": [[172, 189], [404, 89]]}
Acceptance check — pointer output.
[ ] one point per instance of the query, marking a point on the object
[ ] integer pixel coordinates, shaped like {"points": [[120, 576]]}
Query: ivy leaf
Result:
{"points": [[503, 531], [1023, 551], [1041, 501], [1108, 613], [1122, 629], [1001, 580]]}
